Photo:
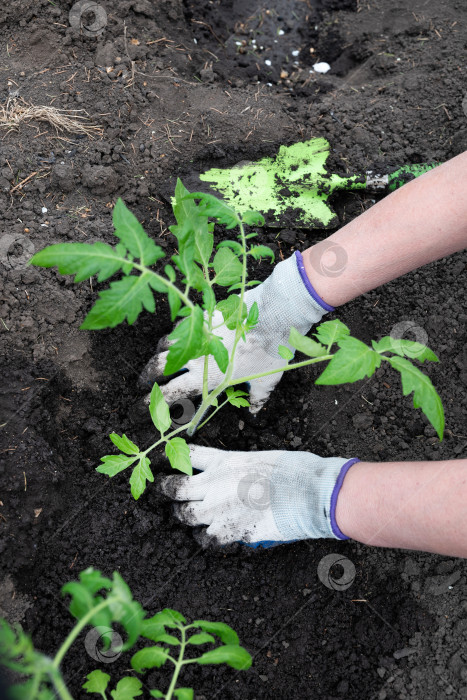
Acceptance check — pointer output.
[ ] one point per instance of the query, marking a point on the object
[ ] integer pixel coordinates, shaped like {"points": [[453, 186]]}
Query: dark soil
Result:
{"points": [[169, 105]]}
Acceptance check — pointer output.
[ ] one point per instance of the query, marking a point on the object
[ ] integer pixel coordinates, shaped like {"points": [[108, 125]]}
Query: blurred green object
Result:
{"points": [[292, 189]]}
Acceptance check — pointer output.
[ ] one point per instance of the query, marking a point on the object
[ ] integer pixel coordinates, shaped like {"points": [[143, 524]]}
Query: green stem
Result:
{"points": [[59, 685], [178, 665], [165, 438], [242, 380], [212, 414], [142, 268], [77, 629]]}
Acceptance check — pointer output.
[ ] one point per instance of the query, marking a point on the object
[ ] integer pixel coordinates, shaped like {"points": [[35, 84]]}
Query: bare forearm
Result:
{"points": [[407, 505], [423, 221]]}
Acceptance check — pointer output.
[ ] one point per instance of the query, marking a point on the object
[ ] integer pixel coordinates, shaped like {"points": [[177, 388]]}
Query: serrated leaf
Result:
{"points": [[125, 610], [252, 283], [150, 657], [97, 682], [353, 361], [84, 260], [127, 688], [114, 464], [201, 638], [235, 398], [285, 352], [188, 341], [230, 310], [124, 444], [226, 634], [204, 243], [233, 245], [227, 267], [178, 454], [261, 251], [133, 236], [306, 345], [139, 476], [405, 348], [216, 209], [124, 299], [169, 618], [159, 410], [217, 348], [252, 318], [330, 332], [165, 639], [174, 300], [232, 655], [209, 300], [253, 218], [425, 395]]}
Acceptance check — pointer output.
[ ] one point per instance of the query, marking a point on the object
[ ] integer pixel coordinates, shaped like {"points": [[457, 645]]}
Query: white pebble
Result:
{"points": [[322, 67], [281, 32], [195, 41], [44, 210], [295, 53], [267, 62]]}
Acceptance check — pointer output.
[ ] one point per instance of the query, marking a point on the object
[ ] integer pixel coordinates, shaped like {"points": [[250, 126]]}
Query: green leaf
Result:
{"points": [[204, 243], [159, 410], [253, 218], [405, 348], [168, 618], [217, 348], [124, 299], [252, 318], [127, 689], [97, 682], [178, 454], [150, 657], [174, 300], [125, 610], [306, 345], [222, 630], [156, 694], [133, 236], [261, 251], [188, 337], [285, 352], [140, 474], [81, 259], [230, 310], [252, 283], [165, 638], [114, 464], [209, 300], [227, 267], [232, 655], [234, 397], [425, 395], [201, 638], [352, 362], [330, 332], [234, 245], [184, 693], [124, 444], [216, 209]]}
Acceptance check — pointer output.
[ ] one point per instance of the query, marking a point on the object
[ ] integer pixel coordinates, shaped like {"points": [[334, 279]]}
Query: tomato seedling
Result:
{"points": [[198, 268]]}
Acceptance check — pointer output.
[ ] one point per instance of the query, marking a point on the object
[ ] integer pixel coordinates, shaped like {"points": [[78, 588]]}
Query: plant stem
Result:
{"points": [[178, 665], [59, 685], [77, 629], [165, 438], [242, 380]]}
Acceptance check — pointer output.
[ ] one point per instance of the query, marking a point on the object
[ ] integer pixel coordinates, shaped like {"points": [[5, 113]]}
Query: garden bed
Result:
{"points": [[179, 87]]}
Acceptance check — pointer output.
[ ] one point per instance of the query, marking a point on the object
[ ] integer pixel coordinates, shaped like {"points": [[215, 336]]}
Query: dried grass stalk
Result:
{"points": [[15, 112]]}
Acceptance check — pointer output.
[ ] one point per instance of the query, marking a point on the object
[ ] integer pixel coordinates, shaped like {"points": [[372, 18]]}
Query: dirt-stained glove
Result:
{"points": [[285, 299], [260, 498]]}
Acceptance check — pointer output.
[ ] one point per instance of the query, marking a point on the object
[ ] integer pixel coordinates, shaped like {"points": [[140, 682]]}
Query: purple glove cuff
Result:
{"points": [[335, 495], [307, 283]]}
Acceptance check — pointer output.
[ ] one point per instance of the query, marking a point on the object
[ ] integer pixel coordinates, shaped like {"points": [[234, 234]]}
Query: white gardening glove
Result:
{"points": [[259, 497], [284, 300]]}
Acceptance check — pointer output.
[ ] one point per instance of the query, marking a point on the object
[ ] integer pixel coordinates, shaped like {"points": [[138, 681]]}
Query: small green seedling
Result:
{"points": [[200, 269], [103, 603]]}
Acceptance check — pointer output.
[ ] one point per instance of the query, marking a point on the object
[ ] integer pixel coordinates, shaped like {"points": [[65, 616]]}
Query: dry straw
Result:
{"points": [[16, 112]]}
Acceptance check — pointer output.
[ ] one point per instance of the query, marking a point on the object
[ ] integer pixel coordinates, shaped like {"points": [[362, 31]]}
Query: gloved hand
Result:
{"points": [[285, 299], [259, 497]]}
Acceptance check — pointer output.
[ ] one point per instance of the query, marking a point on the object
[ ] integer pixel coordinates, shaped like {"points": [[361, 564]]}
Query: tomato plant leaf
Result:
{"points": [[252, 318], [227, 267], [234, 245], [226, 634], [230, 310], [330, 332], [127, 688], [306, 345], [124, 444], [84, 260], [133, 236], [124, 299], [404, 348], [150, 657], [217, 348], [353, 361], [184, 693], [285, 352], [235, 397], [114, 464], [253, 218], [231, 654], [201, 638], [188, 337], [178, 454], [261, 251], [97, 682], [425, 395], [216, 209], [140, 474], [159, 410]]}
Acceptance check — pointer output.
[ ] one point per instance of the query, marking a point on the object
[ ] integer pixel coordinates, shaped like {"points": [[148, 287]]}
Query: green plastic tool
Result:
{"points": [[292, 188]]}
